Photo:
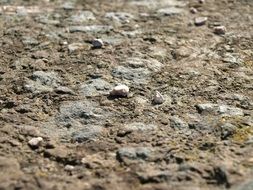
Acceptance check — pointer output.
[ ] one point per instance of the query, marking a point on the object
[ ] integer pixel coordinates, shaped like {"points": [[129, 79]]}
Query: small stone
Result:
{"points": [[193, 10], [158, 98], [170, 11], [69, 168], [201, 1], [220, 30], [200, 21], [120, 90], [97, 43], [133, 153], [35, 142], [138, 126], [177, 123]]}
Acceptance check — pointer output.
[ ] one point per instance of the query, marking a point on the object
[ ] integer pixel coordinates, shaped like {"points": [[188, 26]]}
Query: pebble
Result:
{"points": [[200, 21], [220, 30], [177, 123], [97, 43], [138, 126], [133, 153], [193, 10], [201, 1], [120, 90], [158, 98], [170, 11], [69, 168], [35, 142]]}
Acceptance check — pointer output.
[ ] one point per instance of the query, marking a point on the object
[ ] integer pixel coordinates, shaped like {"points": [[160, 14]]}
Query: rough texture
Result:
{"points": [[195, 134]]}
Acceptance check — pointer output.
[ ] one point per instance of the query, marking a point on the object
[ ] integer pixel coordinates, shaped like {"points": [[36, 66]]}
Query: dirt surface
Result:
{"points": [[60, 128]]}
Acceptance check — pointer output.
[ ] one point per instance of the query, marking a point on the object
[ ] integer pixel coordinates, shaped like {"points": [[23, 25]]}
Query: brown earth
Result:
{"points": [[55, 85]]}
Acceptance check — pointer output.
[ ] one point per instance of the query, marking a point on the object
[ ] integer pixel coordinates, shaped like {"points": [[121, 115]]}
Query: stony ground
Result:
{"points": [[60, 129]]}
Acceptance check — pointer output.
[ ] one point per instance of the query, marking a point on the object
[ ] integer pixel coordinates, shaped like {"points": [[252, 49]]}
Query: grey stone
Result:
{"points": [[27, 40], [207, 107], [224, 110], [68, 5], [230, 111], [150, 63], [46, 78], [233, 60], [199, 21], [91, 29], [158, 3], [133, 75], [87, 132], [82, 16], [95, 87], [227, 130], [120, 17], [132, 153], [170, 11], [177, 123], [63, 90], [79, 113], [42, 82], [138, 126]]}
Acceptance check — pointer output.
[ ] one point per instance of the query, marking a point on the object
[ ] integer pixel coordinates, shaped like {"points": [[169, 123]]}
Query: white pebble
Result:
{"points": [[193, 10], [220, 30], [199, 21], [158, 98], [69, 168], [35, 142], [120, 90], [97, 43]]}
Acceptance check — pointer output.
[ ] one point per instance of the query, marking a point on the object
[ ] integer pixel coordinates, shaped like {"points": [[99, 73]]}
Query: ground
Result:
{"points": [[61, 129]]}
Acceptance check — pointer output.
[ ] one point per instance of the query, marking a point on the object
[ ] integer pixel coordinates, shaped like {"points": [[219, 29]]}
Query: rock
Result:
{"points": [[76, 46], [35, 142], [87, 132], [63, 90], [131, 153], [132, 75], [224, 110], [95, 87], [138, 126], [46, 78], [170, 11], [68, 5], [97, 43], [81, 17], [199, 21], [227, 130], [230, 111], [120, 91], [158, 98], [77, 114], [151, 64], [119, 17], [28, 130], [69, 168], [201, 1], [91, 29], [203, 108], [193, 10], [177, 123], [42, 82], [219, 30], [233, 60]]}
